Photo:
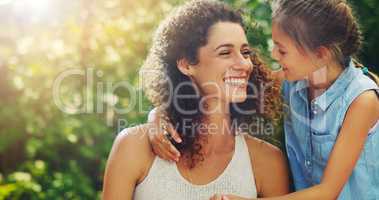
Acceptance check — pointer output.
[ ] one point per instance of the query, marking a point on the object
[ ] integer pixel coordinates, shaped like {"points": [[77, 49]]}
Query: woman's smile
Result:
{"points": [[236, 82]]}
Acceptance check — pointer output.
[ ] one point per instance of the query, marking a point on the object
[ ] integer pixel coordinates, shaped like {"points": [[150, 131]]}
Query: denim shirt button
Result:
{"points": [[307, 163], [314, 108]]}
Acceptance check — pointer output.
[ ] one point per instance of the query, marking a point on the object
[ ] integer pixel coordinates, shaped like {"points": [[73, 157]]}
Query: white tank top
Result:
{"points": [[164, 180]]}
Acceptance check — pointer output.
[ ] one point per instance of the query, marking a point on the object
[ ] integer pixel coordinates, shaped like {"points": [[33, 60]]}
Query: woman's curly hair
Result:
{"points": [[181, 35]]}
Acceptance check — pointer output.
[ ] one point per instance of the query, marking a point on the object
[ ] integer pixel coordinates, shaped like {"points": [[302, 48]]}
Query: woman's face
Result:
{"points": [[296, 65], [224, 64]]}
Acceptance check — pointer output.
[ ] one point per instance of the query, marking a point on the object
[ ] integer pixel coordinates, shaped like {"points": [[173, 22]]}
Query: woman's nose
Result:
{"points": [[243, 63]]}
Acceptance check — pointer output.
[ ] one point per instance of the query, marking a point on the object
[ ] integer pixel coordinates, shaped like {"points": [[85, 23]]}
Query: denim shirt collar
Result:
{"points": [[335, 90]]}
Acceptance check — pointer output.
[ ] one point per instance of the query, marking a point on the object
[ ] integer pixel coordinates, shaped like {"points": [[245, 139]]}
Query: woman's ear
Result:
{"points": [[185, 67]]}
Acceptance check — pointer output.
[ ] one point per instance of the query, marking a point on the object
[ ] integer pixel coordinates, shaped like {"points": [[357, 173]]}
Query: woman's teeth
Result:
{"points": [[236, 81]]}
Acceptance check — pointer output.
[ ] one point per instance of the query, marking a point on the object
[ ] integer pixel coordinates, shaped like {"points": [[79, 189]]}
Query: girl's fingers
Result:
{"points": [[170, 149], [174, 152], [216, 197], [154, 139], [173, 133], [168, 145], [233, 197], [165, 149], [224, 197], [166, 155], [159, 141], [158, 150]]}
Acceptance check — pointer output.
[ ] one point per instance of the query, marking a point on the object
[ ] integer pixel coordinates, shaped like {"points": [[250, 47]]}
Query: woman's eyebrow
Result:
{"points": [[231, 45], [224, 45]]}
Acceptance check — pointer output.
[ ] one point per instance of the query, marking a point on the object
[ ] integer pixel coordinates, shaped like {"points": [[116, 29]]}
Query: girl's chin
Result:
{"points": [[293, 79]]}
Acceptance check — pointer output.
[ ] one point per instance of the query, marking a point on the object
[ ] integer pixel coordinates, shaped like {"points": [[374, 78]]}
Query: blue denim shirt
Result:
{"points": [[311, 130]]}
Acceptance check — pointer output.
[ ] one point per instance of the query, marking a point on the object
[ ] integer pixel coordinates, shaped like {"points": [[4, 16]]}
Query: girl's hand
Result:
{"points": [[227, 197], [159, 141]]}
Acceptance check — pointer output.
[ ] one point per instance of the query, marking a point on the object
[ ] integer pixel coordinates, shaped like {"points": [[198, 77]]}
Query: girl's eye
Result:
{"points": [[282, 52]]}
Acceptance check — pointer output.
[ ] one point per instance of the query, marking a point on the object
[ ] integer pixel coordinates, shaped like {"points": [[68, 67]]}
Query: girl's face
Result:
{"points": [[224, 64], [296, 63]]}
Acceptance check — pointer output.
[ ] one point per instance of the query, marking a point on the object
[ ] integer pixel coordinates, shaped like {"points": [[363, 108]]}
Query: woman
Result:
{"points": [[332, 128], [199, 72]]}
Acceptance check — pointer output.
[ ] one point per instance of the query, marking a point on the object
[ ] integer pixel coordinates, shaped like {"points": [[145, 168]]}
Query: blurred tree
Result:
{"points": [[53, 151], [367, 12]]}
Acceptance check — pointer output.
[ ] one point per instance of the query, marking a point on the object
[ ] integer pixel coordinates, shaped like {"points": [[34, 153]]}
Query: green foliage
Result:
{"points": [[367, 13], [37, 182], [47, 152]]}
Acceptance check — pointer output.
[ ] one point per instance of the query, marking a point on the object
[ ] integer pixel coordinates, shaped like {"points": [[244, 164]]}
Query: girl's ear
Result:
{"points": [[185, 67], [324, 54]]}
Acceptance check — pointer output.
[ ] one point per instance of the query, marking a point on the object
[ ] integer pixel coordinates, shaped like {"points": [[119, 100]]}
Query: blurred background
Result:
{"points": [[69, 82]]}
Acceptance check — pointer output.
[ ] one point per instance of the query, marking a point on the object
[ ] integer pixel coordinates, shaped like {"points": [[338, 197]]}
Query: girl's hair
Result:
{"points": [[315, 23], [179, 36]]}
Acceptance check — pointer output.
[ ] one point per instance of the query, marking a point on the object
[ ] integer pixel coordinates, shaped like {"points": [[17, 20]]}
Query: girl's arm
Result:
{"points": [[162, 146], [361, 116], [125, 166]]}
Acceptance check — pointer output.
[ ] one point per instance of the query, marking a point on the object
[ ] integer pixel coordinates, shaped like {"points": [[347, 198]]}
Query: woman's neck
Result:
{"points": [[218, 130]]}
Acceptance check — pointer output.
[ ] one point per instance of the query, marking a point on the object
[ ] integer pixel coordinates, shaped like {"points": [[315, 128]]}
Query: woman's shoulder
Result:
{"points": [[136, 140], [132, 150], [269, 165], [263, 150], [264, 156], [135, 135]]}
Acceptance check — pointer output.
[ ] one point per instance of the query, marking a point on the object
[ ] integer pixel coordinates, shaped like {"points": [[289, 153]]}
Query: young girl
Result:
{"points": [[331, 128]]}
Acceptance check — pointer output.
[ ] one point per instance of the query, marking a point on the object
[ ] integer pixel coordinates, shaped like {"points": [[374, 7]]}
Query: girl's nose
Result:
{"points": [[274, 54]]}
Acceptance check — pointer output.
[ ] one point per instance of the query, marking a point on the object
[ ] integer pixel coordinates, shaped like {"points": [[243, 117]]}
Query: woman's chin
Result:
{"points": [[238, 98]]}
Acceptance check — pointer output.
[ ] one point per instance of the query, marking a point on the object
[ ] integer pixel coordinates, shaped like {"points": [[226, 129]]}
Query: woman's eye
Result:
{"points": [[222, 53]]}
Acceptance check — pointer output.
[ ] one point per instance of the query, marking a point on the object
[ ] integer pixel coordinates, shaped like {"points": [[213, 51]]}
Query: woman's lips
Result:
{"points": [[236, 81]]}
